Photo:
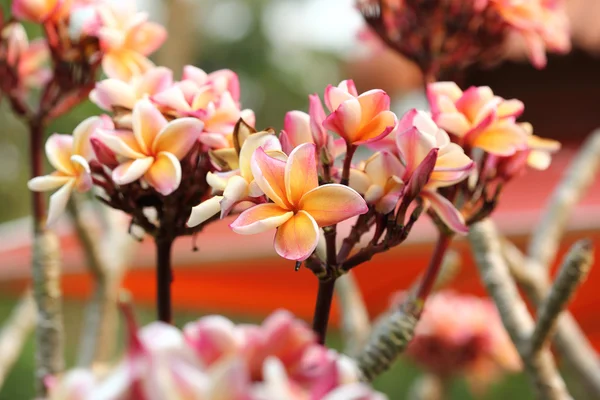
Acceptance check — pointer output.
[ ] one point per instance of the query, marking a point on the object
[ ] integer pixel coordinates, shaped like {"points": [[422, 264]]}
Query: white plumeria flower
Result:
{"points": [[69, 155]]}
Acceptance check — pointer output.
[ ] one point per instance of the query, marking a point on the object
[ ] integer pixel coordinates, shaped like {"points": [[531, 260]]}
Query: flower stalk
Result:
{"points": [[164, 278]]}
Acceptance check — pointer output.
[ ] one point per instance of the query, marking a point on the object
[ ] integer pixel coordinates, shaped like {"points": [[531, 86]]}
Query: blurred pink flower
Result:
{"points": [[30, 59], [127, 38], [41, 10], [300, 206], [358, 119], [460, 334]]}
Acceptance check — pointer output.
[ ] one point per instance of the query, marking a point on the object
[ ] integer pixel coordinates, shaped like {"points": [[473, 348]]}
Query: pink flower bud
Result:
{"points": [[103, 153]]}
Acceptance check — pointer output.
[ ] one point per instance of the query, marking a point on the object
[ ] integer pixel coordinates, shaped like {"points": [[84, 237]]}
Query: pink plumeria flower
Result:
{"points": [[77, 384], [153, 149], [478, 118], [300, 206], [115, 93], [30, 59], [237, 184], [127, 38], [39, 11], [361, 118], [221, 81], [451, 166], [379, 180], [69, 155]]}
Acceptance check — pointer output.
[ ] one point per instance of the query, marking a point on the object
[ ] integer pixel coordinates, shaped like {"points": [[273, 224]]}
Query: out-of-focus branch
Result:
{"points": [[573, 272], [356, 325], [106, 257], [578, 178], [575, 349], [519, 324], [179, 50], [15, 331]]}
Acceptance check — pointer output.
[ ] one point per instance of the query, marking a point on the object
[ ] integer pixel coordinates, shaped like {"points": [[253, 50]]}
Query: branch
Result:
{"points": [[15, 331], [573, 272], [580, 175], [577, 352], [519, 324], [356, 325]]}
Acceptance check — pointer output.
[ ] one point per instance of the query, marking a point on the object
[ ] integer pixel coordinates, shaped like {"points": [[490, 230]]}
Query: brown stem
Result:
{"points": [[164, 277], [36, 137], [350, 149], [434, 267], [323, 307]]}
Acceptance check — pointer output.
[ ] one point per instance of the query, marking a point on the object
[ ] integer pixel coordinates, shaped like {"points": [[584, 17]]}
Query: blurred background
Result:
{"points": [[284, 50]]}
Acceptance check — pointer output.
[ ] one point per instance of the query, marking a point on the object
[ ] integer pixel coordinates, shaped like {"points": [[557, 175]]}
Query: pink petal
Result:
{"points": [[454, 123], [146, 38], [165, 173], [372, 103], [59, 149], [125, 64], [260, 218], [381, 166], [213, 338], [300, 172], [194, 74], [147, 123], [378, 128], [131, 171], [334, 96], [297, 238], [421, 175], [111, 93], [317, 117], [473, 100], [332, 203], [345, 120], [413, 147], [178, 137], [225, 80], [121, 142], [446, 211], [173, 98], [269, 174], [154, 81], [297, 125]]}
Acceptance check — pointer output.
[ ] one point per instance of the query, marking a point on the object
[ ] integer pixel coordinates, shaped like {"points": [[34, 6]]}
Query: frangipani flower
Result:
{"points": [[299, 205], [300, 127], [478, 118], [69, 155], [361, 118], [126, 38], [460, 334], [221, 81], [153, 149], [451, 166], [379, 180], [41, 10], [111, 94], [30, 59]]}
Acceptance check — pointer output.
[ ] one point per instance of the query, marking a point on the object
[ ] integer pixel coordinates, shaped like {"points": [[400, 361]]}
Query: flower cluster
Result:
{"points": [[451, 34], [214, 359], [460, 334]]}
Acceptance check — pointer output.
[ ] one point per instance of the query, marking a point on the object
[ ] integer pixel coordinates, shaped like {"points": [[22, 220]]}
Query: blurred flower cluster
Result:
{"points": [[448, 35], [463, 335], [214, 359]]}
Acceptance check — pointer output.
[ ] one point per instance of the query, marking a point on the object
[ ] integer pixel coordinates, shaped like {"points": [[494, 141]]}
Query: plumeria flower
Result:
{"points": [[237, 182], [153, 149], [30, 59], [39, 11], [69, 155], [300, 127], [300, 206], [127, 38], [451, 166], [379, 180], [112, 94], [478, 118], [357, 118], [221, 81]]}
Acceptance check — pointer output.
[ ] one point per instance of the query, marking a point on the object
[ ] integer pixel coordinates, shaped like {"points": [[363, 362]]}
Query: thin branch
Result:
{"points": [[356, 325], [14, 333], [573, 272], [519, 324], [576, 351], [580, 175]]}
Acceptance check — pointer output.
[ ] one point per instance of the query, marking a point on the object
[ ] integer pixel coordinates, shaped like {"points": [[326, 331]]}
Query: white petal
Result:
{"points": [[47, 182], [205, 210], [58, 202]]}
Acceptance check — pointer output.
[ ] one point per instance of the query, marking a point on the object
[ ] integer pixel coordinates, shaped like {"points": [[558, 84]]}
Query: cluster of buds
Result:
{"points": [[214, 359], [442, 35], [80, 36], [463, 335], [486, 127]]}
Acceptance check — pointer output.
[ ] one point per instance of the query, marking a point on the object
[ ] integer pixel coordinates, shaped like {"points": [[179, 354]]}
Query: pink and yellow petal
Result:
{"points": [[59, 149], [298, 237], [333, 203], [48, 182], [111, 93], [359, 181], [335, 96], [121, 142], [265, 140], [501, 140], [83, 132], [269, 174], [377, 128], [165, 173], [446, 211], [260, 218], [178, 137], [380, 166], [300, 173], [132, 170], [146, 38], [148, 122], [372, 103]]}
